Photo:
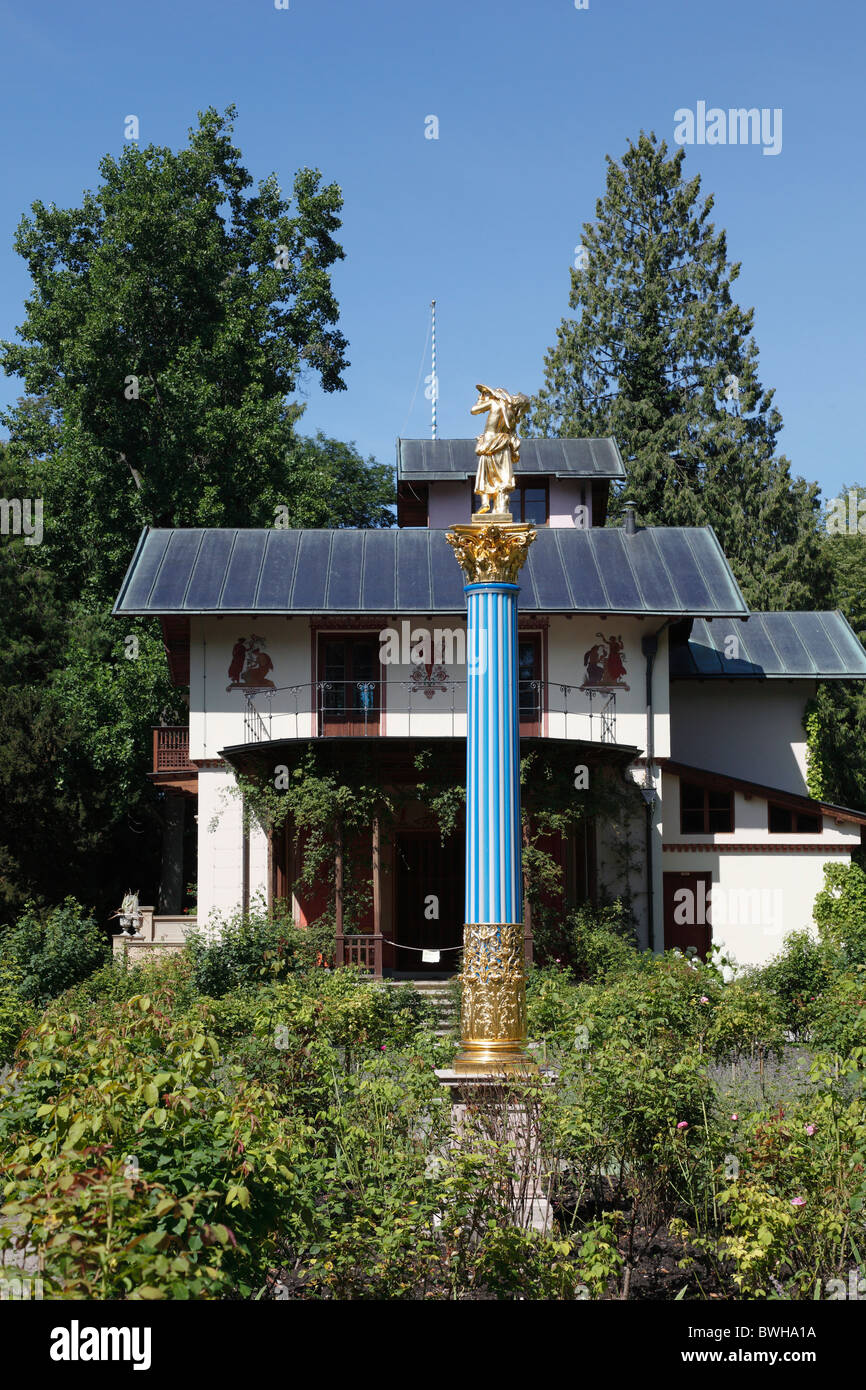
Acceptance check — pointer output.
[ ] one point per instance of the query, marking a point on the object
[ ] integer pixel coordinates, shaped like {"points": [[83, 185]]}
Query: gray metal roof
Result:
{"points": [[817, 646], [663, 570], [438, 460]]}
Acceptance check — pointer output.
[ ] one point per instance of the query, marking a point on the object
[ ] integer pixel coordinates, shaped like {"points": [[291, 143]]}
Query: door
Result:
{"points": [[687, 904], [350, 685], [429, 879]]}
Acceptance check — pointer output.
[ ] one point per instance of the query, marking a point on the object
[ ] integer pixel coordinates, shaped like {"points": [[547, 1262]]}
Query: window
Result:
{"points": [[783, 821], [705, 810], [529, 685], [529, 503]]}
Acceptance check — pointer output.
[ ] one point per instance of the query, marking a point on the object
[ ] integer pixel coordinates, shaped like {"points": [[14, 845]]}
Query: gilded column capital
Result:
{"points": [[492, 552]]}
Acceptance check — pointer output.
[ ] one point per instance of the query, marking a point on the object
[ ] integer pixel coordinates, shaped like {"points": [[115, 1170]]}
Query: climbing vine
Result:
{"points": [[325, 797]]}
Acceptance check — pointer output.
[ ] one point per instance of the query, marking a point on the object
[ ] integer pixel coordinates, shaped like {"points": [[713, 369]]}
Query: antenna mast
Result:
{"points": [[434, 384]]}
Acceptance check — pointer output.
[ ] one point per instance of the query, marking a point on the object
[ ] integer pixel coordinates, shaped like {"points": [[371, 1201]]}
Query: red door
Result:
{"points": [[687, 905]]}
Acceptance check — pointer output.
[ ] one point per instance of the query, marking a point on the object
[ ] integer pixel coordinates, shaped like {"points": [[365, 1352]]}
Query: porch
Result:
{"points": [[395, 891]]}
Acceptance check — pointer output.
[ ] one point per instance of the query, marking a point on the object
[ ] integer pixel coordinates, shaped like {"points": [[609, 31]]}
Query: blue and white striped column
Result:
{"points": [[494, 878], [493, 993]]}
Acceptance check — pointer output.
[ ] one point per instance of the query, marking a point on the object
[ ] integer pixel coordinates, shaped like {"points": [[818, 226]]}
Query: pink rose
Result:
{"points": [[798, 1201], [683, 1124]]}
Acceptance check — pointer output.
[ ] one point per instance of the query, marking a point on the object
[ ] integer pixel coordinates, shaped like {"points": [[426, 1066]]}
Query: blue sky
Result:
{"points": [[530, 97]]}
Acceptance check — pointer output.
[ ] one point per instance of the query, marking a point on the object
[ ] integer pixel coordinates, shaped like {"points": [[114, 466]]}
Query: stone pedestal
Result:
{"points": [[512, 1118]]}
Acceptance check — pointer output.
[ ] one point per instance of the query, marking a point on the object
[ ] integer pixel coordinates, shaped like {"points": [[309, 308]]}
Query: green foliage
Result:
{"points": [[53, 950], [792, 1218], [835, 720], [240, 950], [159, 348], [838, 1016], [16, 1013], [328, 484], [650, 359], [797, 976], [165, 337], [512, 1263], [840, 911], [144, 1091], [293, 1130], [817, 764], [103, 1236], [748, 1020], [593, 942]]}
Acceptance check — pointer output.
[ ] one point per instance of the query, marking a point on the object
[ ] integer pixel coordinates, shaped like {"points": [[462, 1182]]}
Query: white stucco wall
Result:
{"points": [[218, 714], [565, 495], [452, 502], [569, 639], [750, 729], [766, 896], [751, 821], [449, 503], [220, 849], [762, 896]]}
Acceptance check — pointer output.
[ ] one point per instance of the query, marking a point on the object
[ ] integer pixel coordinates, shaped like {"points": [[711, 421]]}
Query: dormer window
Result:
{"points": [[530, 502]]}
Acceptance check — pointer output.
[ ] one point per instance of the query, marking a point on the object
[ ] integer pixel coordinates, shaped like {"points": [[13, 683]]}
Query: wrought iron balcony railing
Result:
{"points": [[408, 708]]}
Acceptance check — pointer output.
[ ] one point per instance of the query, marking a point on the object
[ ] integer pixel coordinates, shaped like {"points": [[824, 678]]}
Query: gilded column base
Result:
{"points": [[493, 1000]]}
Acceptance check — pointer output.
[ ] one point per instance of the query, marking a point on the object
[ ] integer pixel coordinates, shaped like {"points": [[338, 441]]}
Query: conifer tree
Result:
{"points": [[662, 358]]}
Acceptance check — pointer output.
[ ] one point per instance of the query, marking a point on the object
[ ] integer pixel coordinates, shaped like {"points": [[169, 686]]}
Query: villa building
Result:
{"points": [[638, 662]]}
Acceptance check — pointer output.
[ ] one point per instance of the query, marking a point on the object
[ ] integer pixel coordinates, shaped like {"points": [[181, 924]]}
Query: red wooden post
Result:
{"points": [[377, 902], [338, 892], [528, 942]]}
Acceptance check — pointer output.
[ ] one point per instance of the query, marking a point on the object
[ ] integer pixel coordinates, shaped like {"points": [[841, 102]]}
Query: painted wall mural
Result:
{"points": [[603, 664], [250, 664], [428, 677]]}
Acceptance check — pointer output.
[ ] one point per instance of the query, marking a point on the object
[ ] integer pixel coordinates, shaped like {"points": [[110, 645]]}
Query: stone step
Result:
{"points": [[439, 994]]}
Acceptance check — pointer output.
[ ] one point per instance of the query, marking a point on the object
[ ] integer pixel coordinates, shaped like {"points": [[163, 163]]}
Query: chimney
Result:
{"points": [[629, 521]]}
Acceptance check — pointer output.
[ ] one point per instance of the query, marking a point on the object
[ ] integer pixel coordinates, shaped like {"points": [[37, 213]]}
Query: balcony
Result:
{"points": [[171, 750], [415, 709]]}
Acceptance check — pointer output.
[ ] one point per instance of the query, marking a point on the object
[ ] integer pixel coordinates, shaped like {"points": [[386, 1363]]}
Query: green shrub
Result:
{"points": [[747, 1020], [53, 950], [243, 950], [839, 1014], [102, 1236], [840, 911], [167, 979], [16, 1012], [145, 1092], [593, 942], [513, 1263], [602, 941], [797, 977]]}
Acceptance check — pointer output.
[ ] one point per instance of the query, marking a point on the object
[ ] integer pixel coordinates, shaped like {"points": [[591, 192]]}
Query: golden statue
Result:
{"points": [[498, 448]]}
